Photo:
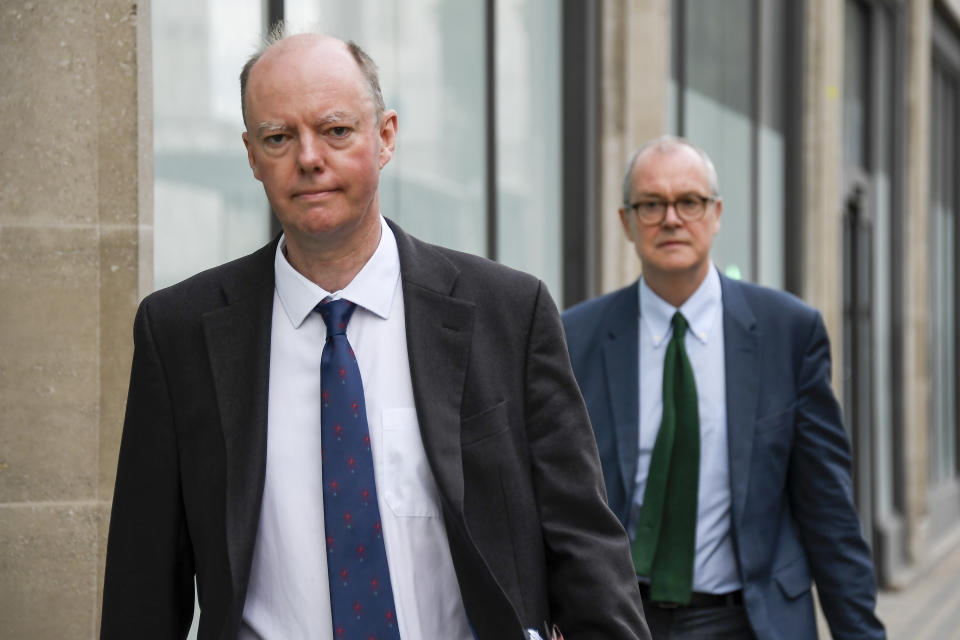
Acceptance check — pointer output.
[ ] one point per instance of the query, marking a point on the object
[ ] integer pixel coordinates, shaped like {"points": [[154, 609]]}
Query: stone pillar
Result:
{"points": [[70, 277], [916, 369], [822, 170], [636, 73]]}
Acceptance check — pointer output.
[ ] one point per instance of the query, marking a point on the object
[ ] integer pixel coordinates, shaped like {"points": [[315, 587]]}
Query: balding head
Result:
{"points": [[666, 144], [277, 41]]}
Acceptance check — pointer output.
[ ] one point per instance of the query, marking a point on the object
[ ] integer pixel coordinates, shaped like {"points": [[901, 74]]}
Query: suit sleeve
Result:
{"points": [[821, 495], [592, 586], [148, 587]]}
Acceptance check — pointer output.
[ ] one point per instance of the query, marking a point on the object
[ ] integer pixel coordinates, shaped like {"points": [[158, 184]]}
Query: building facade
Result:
{"points": [[834, 125]]}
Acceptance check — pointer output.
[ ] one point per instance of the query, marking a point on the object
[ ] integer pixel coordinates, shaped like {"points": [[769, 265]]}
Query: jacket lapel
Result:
{"points": [[238, 346], [743, 385], [439, 331], [620, 354]]}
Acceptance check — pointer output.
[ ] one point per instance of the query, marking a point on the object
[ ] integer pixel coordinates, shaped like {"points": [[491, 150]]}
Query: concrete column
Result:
{"points": [[636, 73], [823, 169], [70, 271], [916, 369]]}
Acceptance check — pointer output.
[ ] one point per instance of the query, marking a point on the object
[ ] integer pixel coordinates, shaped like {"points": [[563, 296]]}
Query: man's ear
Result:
{"points": [[250, 157], [388, 136], [625, 223], [719, 208]]}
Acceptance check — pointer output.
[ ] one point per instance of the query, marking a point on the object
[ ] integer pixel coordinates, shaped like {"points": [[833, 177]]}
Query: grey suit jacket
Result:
{"points": [[502, 421], [792, 514]]}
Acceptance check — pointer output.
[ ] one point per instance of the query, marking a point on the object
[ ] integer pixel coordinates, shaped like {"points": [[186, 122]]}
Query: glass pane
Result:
{"points": [[855, 84], [717, 116], [208, 208], [431, 61], [528, 138], [884, 50], [771, 152], [943, 214]]}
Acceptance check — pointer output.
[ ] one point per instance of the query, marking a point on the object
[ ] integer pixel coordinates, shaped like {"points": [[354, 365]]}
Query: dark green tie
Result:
{"points": [[663, 547]]}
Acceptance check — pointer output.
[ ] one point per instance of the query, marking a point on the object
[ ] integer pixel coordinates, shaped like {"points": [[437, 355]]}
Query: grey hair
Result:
{"points": [[279, 33], [668, 143]]}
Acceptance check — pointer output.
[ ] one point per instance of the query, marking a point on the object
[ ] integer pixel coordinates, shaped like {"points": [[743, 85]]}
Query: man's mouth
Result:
{"points": [[313, 194], [671, 243]]}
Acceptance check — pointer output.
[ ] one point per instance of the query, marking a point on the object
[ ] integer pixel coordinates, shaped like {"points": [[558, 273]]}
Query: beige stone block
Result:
{"points": [[117, 92], [119, 285], [636, 72], [48, 159], [47, 588], [48, 364]]}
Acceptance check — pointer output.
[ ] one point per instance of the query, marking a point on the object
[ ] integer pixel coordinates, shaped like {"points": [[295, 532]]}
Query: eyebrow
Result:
{"points": [[337, 116], [330, 118], [660, 196], [270, 126]]}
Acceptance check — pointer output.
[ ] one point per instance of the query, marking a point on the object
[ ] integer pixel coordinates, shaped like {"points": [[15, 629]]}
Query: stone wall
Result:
{"points": [[70, 272]]}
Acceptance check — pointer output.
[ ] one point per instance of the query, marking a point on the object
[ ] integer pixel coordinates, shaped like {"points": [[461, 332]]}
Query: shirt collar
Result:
{"points": [[372, 288], [700, 310]]}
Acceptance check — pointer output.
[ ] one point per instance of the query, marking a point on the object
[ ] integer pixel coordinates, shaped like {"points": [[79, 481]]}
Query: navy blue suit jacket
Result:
{"points": [[792, 515]]}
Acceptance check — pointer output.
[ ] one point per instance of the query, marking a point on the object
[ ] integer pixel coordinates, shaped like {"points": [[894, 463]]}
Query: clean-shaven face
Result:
{"points": [[673, 247], [313, 138]]}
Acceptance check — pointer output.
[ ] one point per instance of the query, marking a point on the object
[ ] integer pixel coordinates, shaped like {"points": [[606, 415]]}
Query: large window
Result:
{"points": [[477, 89], [207, 206], [729, 95], [872, 116], [944, 266]]}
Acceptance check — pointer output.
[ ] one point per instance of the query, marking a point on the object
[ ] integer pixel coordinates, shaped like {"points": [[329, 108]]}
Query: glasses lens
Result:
{"points": [[651, 211], [690, 208]]}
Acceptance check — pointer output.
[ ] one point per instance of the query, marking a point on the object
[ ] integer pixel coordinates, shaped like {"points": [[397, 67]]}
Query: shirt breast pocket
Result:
{"points": [[408, 485]]}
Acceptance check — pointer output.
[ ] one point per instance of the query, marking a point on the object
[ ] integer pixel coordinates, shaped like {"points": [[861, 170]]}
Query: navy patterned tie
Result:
{"points": [[361, 596]]}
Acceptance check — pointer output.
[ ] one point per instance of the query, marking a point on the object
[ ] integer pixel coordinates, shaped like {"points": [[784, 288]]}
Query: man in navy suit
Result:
{"points": [[772, 504]]}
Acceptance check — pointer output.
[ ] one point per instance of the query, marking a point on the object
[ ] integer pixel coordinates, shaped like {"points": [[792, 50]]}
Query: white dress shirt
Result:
{"points": [[288, 596], [715, 564]]}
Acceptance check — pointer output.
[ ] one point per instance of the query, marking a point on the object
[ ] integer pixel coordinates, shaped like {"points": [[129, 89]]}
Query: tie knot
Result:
{"points": [[679, 325], [336, 314]]}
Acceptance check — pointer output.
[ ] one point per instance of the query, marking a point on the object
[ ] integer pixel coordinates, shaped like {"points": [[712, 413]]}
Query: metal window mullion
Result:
{"points": [[756, 25], [490, 121], [274, 14]]}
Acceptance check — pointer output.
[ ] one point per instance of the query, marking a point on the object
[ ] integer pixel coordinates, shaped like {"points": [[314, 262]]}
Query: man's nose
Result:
{"points": [[670, 217], [310, 155]]}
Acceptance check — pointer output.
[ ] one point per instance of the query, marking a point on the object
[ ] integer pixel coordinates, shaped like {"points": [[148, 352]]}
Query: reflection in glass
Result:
{"points": [[727, 94], [528, 138], [208, 208], [944, 209], [431, 60], [855, 84], [717, 116]]}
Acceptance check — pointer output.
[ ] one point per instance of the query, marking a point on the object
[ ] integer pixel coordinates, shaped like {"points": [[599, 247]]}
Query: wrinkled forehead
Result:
{"points": [[303, 58], [676, 166], [308, 69]]}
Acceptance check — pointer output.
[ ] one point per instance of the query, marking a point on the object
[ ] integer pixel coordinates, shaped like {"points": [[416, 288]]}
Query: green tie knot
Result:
{"points": [[679, 326]]}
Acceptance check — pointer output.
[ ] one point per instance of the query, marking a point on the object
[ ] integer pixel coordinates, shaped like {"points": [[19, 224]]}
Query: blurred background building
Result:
{"points": [[834, 125]]}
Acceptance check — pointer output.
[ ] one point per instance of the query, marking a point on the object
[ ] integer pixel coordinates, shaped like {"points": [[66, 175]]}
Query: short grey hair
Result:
{"points": [[668, 143], [279, 33]]}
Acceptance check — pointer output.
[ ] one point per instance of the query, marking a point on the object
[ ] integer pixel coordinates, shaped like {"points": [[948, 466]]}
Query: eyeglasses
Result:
{"points": [[652, 211]]}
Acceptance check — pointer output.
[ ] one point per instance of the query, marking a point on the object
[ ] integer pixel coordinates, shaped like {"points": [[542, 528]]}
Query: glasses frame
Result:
{"points": [[666, 204]]}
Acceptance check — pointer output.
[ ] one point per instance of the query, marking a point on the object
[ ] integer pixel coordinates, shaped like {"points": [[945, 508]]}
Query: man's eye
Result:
{"points": [[688, 203], [651, 206], [339, 132], [276, 138]]}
